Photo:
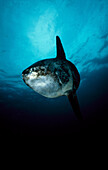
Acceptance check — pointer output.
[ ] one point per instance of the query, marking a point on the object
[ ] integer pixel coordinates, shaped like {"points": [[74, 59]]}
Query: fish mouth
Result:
{"points": [[24, 77]]}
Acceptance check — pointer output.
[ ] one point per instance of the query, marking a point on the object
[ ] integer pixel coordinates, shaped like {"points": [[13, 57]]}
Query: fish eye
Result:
{"points": [[34, 69]]}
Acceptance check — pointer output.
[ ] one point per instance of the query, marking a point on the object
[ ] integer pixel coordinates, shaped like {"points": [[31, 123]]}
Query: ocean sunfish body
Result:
{"points": [[55, 77]]}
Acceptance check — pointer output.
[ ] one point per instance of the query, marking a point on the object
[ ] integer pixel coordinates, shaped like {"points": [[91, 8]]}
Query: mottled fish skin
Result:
{"points": [[55, 77], [51, 77]]}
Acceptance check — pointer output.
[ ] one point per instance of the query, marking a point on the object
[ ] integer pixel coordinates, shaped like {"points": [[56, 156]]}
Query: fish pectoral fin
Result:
{"points": [[75, 105], [60, 50]]}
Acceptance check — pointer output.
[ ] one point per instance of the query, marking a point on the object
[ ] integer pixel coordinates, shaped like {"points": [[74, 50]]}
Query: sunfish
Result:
{"points": [[55, 77]]}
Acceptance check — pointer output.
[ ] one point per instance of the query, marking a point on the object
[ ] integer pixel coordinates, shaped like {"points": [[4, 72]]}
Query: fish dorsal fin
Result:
{"points": [[60, 50]]}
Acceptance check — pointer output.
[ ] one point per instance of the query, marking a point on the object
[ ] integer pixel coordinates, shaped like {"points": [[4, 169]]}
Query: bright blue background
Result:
{"points": [[28, 30]]}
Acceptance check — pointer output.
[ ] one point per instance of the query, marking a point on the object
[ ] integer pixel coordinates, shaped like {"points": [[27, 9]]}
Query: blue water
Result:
{"points": [[28, 30]]}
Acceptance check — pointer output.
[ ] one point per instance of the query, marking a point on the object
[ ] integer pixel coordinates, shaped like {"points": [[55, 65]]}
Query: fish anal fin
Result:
{"points": [[75, 105]]}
